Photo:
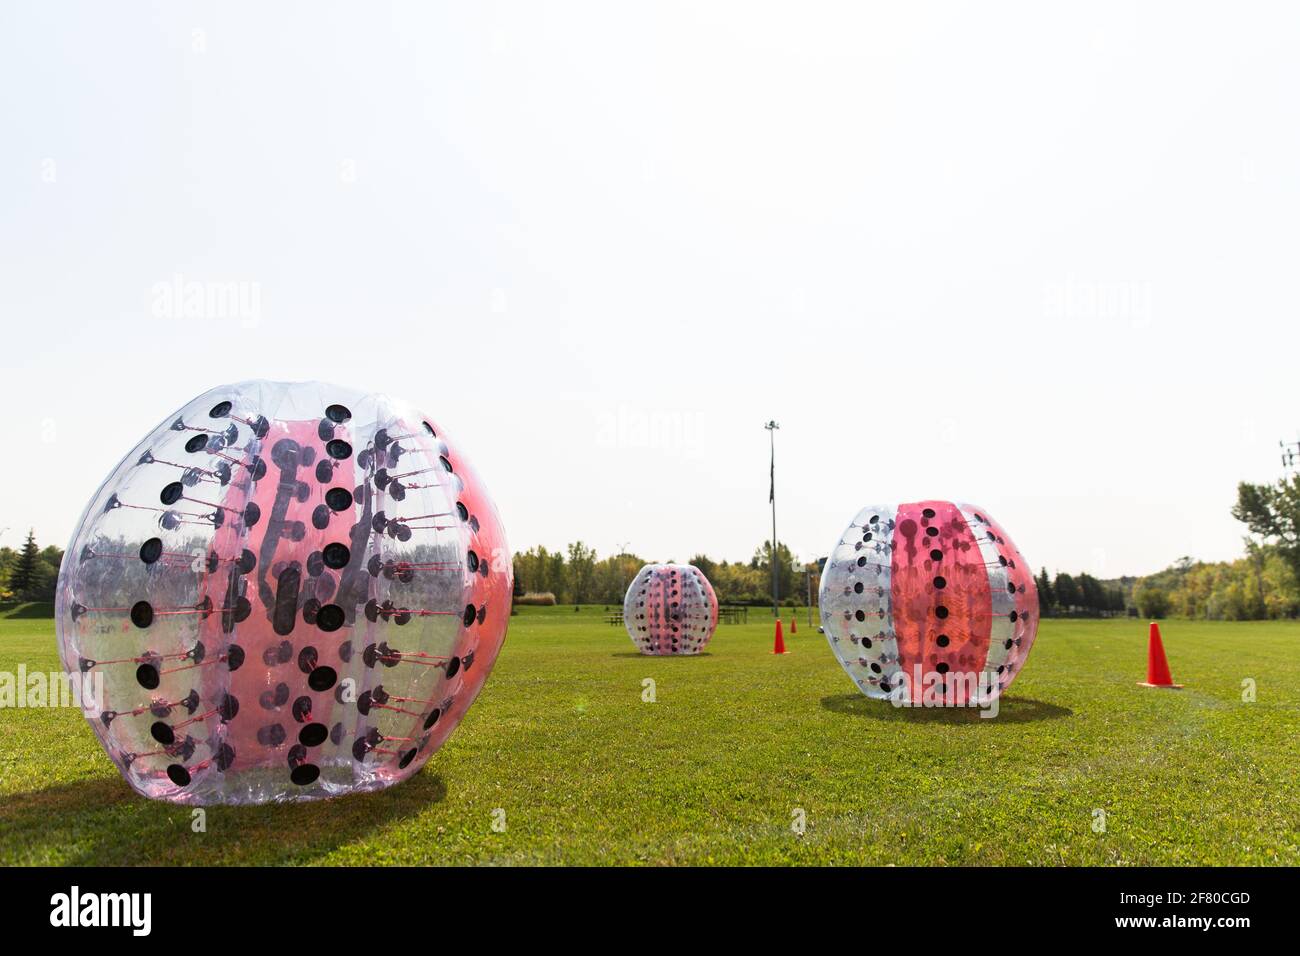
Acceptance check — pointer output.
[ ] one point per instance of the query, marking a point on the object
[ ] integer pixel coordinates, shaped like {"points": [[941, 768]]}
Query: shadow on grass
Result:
{"points": [[1011, 710], [103, 822], [661, 657]]}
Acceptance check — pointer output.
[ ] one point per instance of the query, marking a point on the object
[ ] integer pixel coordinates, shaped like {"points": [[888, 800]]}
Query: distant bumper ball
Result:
{"points": [[289, 591], [929, 602], [670, 609]]}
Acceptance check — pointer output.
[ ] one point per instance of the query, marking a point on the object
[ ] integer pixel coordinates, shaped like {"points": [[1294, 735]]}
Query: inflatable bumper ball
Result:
{"points": [[670, 609], [929, 602], [287, 592]]}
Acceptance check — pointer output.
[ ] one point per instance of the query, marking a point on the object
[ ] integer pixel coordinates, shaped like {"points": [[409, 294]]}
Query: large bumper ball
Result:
{"points": [[929, 603], [670, 609], [286, 592]]}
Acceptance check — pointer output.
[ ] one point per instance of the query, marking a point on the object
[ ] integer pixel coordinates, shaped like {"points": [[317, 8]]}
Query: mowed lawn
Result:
{"points": [[738, 746]]}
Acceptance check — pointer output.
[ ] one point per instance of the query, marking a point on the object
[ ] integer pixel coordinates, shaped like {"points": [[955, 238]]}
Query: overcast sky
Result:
{"points": [[1039, 257]]}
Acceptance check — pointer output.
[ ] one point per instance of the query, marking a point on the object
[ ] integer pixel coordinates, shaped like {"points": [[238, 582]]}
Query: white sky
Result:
{"points": [[1037, 257]]}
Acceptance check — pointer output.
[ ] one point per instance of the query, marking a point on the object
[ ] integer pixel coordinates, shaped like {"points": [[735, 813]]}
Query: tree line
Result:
{"points": [[1263, 584], [29, 574], [1079, 595], [576, 575]]}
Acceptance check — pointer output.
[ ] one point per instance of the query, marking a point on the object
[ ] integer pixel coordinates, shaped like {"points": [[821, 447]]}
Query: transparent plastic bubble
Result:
{"points": [[929, 602], [281, 598], [670, 609]]}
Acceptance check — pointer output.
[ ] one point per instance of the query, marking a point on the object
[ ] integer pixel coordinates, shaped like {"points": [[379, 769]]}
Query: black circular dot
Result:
{"points": [[313, 735], [936, 555], [940, 582], [304, 774], [941, 612], [329, 617], [943, 640], [1011, 587], [172, 493], [151, 550], [860, 615], [146, 676], [162, 733], [941, 667], [857, 588], [1012, 617], [196, 443], [235, 657], [432, 718], [862, 561], [338, 499], [468, 617], [229, 705], [322, 678], [220, 410], [927, 513], [472, 559], [338, 414], [141, 614], [178, 775], [406, 759], [336, 555], [338, 449]]}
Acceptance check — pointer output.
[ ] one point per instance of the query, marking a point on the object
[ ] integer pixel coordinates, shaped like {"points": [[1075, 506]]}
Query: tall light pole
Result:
{"points": [[771, 427]]}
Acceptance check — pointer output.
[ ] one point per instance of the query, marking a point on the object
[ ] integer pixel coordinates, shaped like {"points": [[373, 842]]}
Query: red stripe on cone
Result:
{"points": [[1157, 667], [778, 646]]}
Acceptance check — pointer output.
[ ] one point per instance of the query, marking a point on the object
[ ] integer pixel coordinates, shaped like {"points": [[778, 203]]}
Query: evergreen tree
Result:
{"points": [[1046, 596], [1067, 592], [25, 578]]}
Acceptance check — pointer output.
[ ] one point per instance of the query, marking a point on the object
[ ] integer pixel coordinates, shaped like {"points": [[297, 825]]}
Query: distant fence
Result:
{"points": [[732, 614]]}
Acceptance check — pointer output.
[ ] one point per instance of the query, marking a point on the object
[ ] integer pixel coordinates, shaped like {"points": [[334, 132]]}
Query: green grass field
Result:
{"points": [[736, 743]]}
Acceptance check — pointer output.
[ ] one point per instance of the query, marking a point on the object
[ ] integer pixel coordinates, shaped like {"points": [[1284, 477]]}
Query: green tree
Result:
{"points": [[706, 565], [762, 561], [1068, 594], [25, 578], [1046, 596], [1273, 513], [582, 565], [1152, 602]]}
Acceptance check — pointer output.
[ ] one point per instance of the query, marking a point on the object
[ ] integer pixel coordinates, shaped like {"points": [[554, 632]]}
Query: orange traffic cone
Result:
{"points": [[778, 646], [1157, 667], [793, 629]]}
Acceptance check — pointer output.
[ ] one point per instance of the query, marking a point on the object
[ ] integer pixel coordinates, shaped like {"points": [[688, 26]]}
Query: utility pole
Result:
{"points": [[808, 575], [622, 564], [771, 427]]}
